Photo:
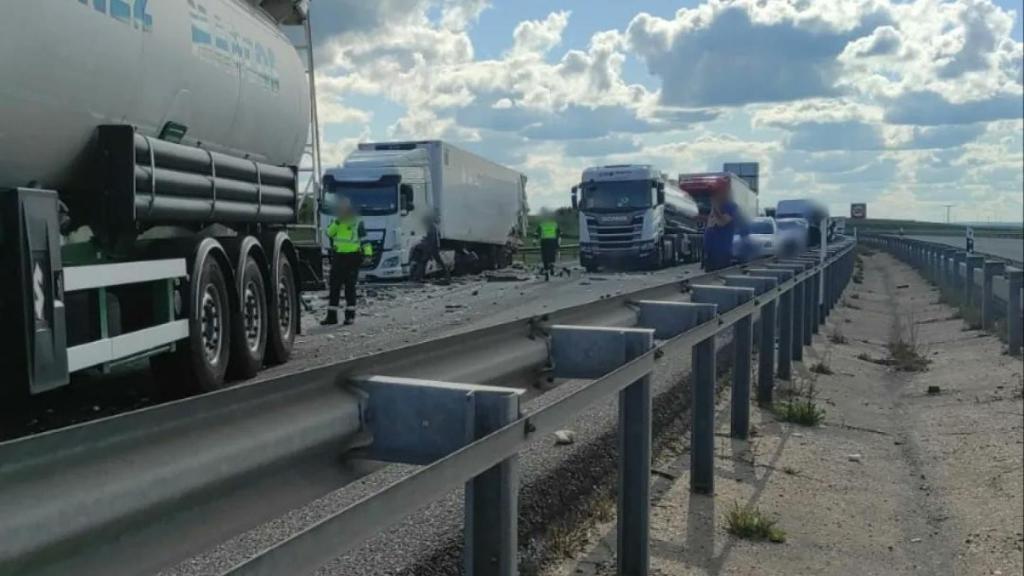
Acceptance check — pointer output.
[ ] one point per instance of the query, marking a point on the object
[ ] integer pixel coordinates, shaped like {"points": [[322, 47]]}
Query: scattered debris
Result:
{"points": [[855, 457], [664, 474], [902, 286], [934, 390], [497, 277], [564, 437]]}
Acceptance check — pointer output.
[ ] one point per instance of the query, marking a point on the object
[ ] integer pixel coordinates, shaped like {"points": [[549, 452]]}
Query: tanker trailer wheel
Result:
{"points": [[249, 322], [201, 360], [284, 312]]}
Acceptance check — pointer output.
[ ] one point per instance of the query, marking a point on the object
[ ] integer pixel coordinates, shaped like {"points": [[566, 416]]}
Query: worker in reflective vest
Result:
{"points": [[549, 235], [349, 247]]}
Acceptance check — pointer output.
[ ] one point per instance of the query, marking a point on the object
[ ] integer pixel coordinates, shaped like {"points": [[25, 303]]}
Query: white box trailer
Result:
{"points": [[475, 200], [480, 206]]}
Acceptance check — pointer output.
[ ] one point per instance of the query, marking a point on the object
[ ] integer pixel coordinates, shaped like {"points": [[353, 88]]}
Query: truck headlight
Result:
{"points": [[391, 262]]}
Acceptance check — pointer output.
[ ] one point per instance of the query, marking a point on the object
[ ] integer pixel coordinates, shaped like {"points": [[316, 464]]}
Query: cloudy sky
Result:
{"points": [[904, 105]]}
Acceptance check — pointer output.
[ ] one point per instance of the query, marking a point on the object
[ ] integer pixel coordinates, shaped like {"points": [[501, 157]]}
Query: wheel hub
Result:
{"points": [[284, 307], [211, 325], [252, 316]]}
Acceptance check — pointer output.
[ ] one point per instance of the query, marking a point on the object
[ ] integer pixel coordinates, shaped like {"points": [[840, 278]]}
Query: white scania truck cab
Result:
{"points": [[479, 207], [633, 216]]}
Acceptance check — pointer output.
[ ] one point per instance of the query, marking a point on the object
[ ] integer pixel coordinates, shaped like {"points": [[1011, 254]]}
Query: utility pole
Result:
{"points": [[948, 206]]}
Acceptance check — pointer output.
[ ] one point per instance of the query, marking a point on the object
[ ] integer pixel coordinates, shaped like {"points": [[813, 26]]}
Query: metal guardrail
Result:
{"points": [[983, 287], [619, 360], [944, 245], [102, 480]]}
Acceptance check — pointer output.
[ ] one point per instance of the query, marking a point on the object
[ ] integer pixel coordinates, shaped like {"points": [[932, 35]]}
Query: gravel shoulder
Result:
{"points": [[896, 481]]}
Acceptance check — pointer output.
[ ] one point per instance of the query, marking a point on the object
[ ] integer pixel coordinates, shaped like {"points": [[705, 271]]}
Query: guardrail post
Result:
{"points": [[811, 308], [702, 441], [974, 261], [669, 319], [592, 352], [810, 300], [798, 320], [763, 281], [786, 338], [808, 311], [492, 499], [1014, 336], [988, 301], [959, 259], [947, 261], [417, 421], [929, 263], [726, 298]]}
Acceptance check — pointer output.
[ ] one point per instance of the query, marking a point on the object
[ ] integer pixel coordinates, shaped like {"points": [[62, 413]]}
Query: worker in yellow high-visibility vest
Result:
{"points": [[549, 235], [349, 247]]}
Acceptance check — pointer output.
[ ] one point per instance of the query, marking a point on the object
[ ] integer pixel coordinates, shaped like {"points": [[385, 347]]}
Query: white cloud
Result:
{"points": [[907, 98], [536, 37]]}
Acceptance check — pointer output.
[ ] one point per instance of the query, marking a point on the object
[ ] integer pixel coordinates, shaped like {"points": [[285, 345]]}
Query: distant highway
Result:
{"points": [[1010, 248]]}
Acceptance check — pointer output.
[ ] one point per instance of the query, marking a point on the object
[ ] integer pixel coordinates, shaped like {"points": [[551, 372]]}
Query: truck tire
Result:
{"points": [[200, 362], [249, 322], [283, 312]]}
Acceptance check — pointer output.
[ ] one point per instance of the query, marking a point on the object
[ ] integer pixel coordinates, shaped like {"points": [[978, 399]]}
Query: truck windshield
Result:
{"points": [[617, 195], [369, 198]]}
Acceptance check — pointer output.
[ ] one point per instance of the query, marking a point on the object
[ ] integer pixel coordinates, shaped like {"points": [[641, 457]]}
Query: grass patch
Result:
{"points": [[749, 523], [905, 354], [820, 367], [836, 336], [804, 412], [906, 357]]}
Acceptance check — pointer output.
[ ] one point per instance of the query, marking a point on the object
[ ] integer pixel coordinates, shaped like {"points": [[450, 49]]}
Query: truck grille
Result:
{"points": [[615, 232]]}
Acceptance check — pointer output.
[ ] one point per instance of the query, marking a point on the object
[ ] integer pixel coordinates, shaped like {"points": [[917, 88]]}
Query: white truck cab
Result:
{"points": [[389, 189]]}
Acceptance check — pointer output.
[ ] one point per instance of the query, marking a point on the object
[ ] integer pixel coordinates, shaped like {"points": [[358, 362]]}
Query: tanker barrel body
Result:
{"points": [[237, 87]]}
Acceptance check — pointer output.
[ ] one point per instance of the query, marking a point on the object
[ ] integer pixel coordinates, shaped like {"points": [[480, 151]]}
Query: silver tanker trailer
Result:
{"points": [[148, 171]]}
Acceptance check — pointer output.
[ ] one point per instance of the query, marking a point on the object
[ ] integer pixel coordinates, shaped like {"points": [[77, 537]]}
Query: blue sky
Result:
{"points": [[905, 105]]}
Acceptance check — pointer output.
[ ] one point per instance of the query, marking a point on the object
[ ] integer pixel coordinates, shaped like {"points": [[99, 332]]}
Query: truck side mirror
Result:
{"points": [[406, 197], [575, 201]]}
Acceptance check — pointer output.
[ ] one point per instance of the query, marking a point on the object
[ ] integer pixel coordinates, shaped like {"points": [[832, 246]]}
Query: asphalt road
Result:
{"points": [[1010, 248]]}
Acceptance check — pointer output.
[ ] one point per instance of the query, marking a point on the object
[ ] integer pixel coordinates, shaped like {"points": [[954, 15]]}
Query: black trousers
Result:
{"points": [[344, 272], [548, 251]]}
